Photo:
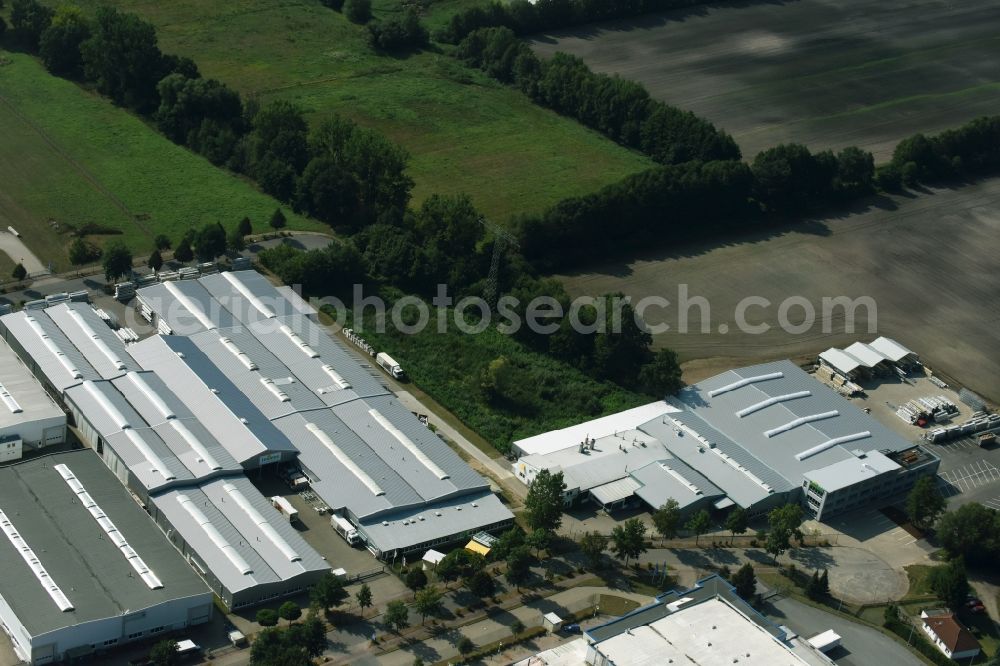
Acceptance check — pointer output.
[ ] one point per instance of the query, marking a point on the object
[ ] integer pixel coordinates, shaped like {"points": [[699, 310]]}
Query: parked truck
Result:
{"points": [[345, 529], [386, 363], [285, 508]]}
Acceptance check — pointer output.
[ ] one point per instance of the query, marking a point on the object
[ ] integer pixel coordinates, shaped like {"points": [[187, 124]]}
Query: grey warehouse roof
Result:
{"points": [[58, 360], [237, 534], [779, 416], [22, 398], [158, 451], [80, 557], [272, 365]]}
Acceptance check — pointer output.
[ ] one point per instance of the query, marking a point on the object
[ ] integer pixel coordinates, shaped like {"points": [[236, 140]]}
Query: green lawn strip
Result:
{"points": [[465, 132], [78, 154]]}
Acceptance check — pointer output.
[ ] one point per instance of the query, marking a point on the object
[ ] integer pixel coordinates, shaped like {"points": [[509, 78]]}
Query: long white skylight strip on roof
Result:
{"points": [[213, 534], [147, 452], [53, 348], [335, 376], [747, 411], [189, 305], [408, 443], [802, 420], [102, 400], [249, 295], [344, 459], [101, 345], [273, 388], [677, 475], [261, 522], [195, 444], [729, 460], [830, 443], [237, 352], [116, 537], [746, 381], [299, 342], [28, 555], [9, 400], [140, 383]]}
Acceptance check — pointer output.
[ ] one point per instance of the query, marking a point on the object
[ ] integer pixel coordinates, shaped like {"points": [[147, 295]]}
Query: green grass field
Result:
{"points": [[465, 132], [70, 158]]}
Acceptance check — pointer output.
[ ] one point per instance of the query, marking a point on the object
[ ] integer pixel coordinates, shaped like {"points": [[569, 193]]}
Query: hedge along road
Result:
{"points": [[826, 73], [929, 264]]}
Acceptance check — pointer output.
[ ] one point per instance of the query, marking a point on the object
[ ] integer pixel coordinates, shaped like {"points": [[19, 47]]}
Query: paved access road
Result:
{"points": [[861, 645]]}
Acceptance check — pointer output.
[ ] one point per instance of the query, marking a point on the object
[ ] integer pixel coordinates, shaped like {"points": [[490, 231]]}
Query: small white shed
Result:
{"points": [[431, 559], [552, 622]]}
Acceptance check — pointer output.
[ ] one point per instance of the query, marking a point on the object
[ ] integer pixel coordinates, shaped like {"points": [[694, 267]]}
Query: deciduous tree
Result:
{"points": [[698, 524], [544, 504], [428, 601], [667, 519], [628, 540], [117, 261], [925, 504], [592, 545], [397, 616]]}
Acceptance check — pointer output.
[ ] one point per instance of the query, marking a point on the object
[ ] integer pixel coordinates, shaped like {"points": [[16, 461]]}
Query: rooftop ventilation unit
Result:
{"points": [[830, 443], [747, 411], [299, 342], [53, 348], [96, 339], [746, 381], [344, 459], [408, 444], [116, 537], [189, 305], [273, 388], [335, 376], [262, 523], [249, 295], [9, 400], [238, 353], [213, 534], [28, 555], [802, 420], [158, 404]]}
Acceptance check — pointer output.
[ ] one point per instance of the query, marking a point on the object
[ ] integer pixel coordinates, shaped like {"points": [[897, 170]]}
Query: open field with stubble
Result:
{"points": [[70, 157], [929, 262], [826, 73], [464, 131]]}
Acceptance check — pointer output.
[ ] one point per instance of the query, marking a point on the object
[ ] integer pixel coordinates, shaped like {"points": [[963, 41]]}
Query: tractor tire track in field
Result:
{"points": [[94, 182]]}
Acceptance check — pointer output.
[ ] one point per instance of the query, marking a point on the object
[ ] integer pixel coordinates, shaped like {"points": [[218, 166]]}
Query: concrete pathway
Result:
{"points": [[15, 248]]}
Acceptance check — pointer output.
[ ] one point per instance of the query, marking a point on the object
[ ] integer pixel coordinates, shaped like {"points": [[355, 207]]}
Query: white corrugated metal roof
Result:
{"points": [[841, 360], [891, 349], [555, 440]]}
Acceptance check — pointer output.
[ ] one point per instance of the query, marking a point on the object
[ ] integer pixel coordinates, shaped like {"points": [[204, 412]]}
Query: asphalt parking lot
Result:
{"points": [[968, 473], [860, 646]]}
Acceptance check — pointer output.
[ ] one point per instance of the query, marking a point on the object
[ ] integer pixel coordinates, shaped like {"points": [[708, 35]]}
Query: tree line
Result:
{"points": [[620, 109], [698, 200], [525, 17]]}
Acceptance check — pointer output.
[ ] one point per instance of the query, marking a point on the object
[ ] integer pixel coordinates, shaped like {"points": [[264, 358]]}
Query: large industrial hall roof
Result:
{"points": [[77, 547], [22, 398]]}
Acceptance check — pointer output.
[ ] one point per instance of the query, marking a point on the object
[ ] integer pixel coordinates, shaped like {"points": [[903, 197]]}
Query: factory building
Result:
{"points": [[268, 362], [85, 568], [707, 625], [160, 449], [29, 418], [754, 437]]}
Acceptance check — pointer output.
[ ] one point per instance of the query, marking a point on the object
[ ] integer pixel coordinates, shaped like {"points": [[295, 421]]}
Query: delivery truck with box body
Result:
{"points": [[387, 363], [285, 508], [345, 529]]}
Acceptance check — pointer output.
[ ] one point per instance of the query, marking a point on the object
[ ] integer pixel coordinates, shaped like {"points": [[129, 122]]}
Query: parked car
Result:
{"points": [[571, 628]]}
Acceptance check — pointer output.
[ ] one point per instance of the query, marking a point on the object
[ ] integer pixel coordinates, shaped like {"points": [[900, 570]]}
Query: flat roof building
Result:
{"points": [[85, 568], [367, 457], [29, 417], [755, 437], [707, 625]]}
